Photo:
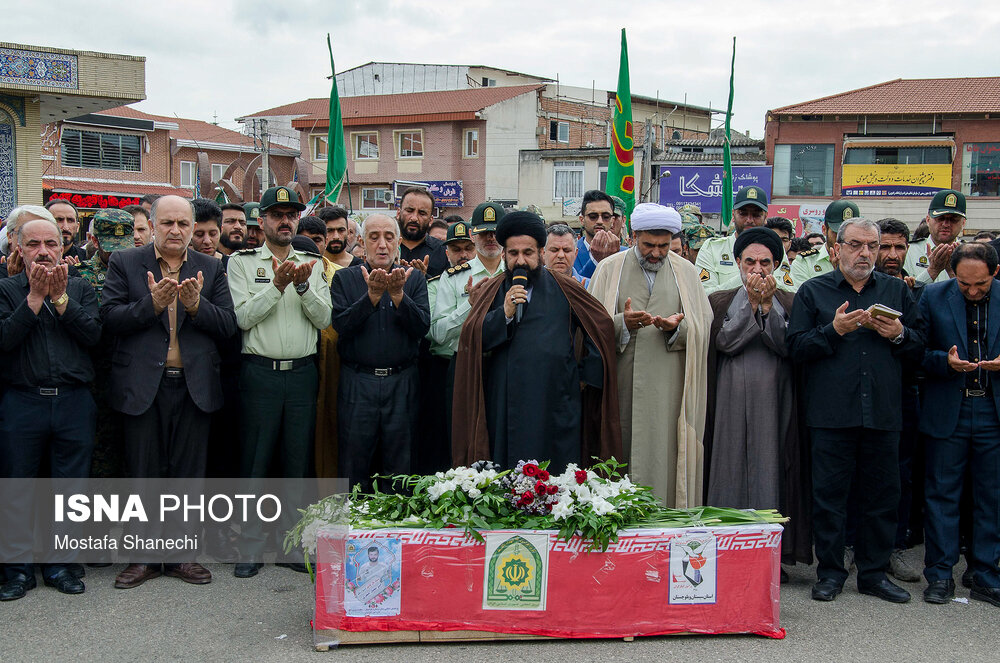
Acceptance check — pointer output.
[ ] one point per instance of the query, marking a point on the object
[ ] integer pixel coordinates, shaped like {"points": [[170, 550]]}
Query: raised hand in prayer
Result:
{"points": [[604, 244], [417, 263], [669, 323], [397, 279], [634, 319], [189, 292], [959, 365], [378, 282], [163, 292], [845, 323], [302, 273], [283, 273]]}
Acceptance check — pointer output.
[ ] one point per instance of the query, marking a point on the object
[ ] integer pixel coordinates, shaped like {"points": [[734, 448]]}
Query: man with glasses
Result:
{"points": [[853, 364], [821, 258], [929, 259], [598, 218], [282, 301], [716, 263]]}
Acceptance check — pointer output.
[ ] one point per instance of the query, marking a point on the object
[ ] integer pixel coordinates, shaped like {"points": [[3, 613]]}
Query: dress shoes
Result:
{"points": [[988, 594], [77, 570], [136, 574], [246, 570], [783, 577], [901, 569], [886, 590], [191, 572], [940, 591], [826, 590], [16, 587], [65, 582], [298, 567]]}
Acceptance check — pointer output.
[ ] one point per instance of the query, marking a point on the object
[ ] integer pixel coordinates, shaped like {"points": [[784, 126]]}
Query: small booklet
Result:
{"points": [[882, 311]]}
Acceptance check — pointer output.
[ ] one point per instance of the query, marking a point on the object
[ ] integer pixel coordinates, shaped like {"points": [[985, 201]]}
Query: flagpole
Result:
{"points": [[336, 153], [727, 159]]}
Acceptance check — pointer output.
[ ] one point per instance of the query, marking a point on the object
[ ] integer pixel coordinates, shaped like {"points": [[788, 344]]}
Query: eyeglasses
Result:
{"points": [[291, 215], [594, 216], [857, 246]]}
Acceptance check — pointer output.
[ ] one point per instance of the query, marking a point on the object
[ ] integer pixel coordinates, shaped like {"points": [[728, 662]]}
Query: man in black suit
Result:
{"points": [[168, 307]]}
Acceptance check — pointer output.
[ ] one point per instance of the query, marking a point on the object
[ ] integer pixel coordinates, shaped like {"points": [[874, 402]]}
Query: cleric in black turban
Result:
{"points": [[759, 235], [521, 223]]}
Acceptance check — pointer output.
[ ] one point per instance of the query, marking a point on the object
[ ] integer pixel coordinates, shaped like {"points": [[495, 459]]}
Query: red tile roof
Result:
{"points": [[916, 96], [442, 105]]}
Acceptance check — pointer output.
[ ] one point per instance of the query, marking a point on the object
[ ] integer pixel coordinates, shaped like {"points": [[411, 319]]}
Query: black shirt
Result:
{"points": [[976, 323], [431, 246], [383, 336], [853, 380], [48, 349]]}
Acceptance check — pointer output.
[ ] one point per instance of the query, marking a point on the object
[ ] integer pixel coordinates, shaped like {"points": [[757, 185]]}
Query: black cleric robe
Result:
{"points": [[532, 378]]}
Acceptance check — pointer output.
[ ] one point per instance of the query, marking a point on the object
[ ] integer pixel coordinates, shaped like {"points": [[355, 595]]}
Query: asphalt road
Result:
{"points": [[267, 619]]}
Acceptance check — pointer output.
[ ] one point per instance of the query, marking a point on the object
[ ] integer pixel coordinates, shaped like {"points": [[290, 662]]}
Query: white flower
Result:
{"points": [[563, 508], [474, 492], [601, 506]]}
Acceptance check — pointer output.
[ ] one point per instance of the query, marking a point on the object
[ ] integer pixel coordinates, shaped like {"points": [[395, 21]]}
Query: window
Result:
{"points": [[559, 131], [471, 142], [411, 144], [92, 149], [897, 155], [366, 146], [188, 174], [803, 170], [568, 179], [602, 173], [489, 82], [981, 169], [218, 170], [376, 198], [319, 148]]}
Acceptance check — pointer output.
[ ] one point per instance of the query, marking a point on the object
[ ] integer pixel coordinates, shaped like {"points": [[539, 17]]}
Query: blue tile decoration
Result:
{"points": [[8, 175], [38, 68], [15, 104]]}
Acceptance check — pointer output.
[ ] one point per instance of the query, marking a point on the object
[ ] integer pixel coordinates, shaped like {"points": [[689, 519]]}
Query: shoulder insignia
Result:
{"points": [[246, 252], [809, 252], [311, 254], [433, 278], [458, 268], [817, 268], [787, 279], [704, 276], [785, 267]]}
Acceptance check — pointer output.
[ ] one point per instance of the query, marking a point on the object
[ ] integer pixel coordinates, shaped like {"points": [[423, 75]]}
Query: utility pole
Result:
{"points": [[265, 149]]}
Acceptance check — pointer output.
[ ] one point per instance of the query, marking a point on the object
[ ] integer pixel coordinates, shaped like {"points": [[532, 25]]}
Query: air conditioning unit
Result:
{"points": [[540, 131], [388, 197]]}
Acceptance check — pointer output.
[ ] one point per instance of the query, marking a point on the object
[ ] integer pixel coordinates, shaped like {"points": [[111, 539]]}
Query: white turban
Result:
{"points": [[651, 216]]}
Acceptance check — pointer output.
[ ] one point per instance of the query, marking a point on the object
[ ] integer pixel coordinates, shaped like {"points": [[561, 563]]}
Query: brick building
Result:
{"points": [[890, 147]]}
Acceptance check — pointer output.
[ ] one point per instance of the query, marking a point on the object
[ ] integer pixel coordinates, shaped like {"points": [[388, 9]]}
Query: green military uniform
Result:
{"points": [[817, 260], [113, 229], [918, 254]]}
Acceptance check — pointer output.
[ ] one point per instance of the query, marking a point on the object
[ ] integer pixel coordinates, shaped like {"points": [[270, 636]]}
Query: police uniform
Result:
{"points": [[816, 260], [918, 254], [716, 261]]}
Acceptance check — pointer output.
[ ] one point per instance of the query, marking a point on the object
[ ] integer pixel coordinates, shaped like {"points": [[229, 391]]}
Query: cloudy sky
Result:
{"points": [[233, 57]]}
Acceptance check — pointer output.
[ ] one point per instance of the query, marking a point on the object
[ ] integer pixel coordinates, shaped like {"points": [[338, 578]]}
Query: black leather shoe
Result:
{"points": [[77, 570], [16, 587], [988, 594], [967, 578], [784, 577], [65, 582], [826, 590], [298, 567], [940, 591], [244, 570], [886, 590]]}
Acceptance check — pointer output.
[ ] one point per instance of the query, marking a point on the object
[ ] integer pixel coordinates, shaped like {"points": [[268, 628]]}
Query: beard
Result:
{"points": [[335, 246], [412, 235], [895, 269], [533, 274], [232, 245], [648, 265], [857, 273]]}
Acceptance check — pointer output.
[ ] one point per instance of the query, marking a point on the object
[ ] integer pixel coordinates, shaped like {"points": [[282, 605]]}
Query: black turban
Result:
{"points": [[521, 223], [764, 236], [303, 243]]}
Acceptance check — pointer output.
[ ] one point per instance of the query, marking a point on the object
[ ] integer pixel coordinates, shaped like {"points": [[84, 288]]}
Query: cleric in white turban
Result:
{"points": [[661, 315], [651, 216]]}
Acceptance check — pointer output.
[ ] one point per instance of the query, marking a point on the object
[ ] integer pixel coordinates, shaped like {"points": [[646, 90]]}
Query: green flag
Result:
{"points": [[727, 160], [621, 165], [336, 151]]}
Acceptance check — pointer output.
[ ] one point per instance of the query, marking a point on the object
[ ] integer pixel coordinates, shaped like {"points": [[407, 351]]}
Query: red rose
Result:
{"points": [[543, 475], [528, 497], [553, 490], [530, 470], [540, 487], [581, 476]]}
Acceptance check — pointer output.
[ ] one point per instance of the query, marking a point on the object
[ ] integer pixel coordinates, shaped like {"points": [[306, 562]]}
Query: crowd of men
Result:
{"points": [[844, 379]]}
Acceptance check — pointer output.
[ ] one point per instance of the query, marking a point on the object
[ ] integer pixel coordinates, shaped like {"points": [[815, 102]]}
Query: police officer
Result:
{"points": [[282, 301], [929, 260], [460, 248], [255, 236], [716, 262], [820, 260], [113, 230]]}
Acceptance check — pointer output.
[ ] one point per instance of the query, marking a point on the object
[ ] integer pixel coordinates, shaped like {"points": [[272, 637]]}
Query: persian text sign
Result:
{"points": [[702, 185], [895, 179], [96, 200], [447, 193], [693, 567]]}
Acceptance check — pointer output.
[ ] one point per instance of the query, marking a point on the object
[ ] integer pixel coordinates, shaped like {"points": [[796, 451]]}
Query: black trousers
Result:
{"points": [[433, 452], [54, 430], [376, 423], [870, 459]]}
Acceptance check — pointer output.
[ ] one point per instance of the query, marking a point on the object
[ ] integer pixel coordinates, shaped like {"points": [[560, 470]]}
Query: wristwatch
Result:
{"points": [[62, 300], [899, 339], [302, 287]]}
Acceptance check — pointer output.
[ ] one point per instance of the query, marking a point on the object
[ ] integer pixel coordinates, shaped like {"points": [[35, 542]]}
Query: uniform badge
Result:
{"points": [[752, 194], [119, 230], [725, 256], [459, 231], [950, 200], [785, 267], [817, 268], [100, 277], [848, 213], [704, 276], [922, 261], [282, 196], [261, 272], [787, 278], [489, 214]]}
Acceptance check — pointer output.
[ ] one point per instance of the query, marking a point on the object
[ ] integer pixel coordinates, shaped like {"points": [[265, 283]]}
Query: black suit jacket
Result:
{"points": [[141, 337]]}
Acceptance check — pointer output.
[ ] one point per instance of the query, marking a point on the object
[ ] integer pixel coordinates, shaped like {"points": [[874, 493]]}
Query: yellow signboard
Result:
{"points": [[897, 180]]}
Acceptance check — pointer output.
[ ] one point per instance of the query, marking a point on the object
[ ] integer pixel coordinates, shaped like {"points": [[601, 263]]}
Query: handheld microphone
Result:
{"points": [[520, 277]]}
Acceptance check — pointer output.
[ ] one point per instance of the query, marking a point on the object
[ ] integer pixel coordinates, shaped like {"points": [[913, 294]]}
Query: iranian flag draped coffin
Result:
{"points": [[651, 582]]}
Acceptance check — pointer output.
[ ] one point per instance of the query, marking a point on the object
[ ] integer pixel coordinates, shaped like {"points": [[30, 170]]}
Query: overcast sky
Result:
{"points": [[234, 57]]}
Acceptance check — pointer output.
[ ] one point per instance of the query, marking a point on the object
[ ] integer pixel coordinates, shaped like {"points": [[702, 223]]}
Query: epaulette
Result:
{"points": [[809, 252], [246, 252], [310, 254], [433, 278], [458, 268]]}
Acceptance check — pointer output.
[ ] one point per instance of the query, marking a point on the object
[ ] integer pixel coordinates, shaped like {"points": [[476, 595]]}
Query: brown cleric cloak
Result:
{"points": [[599, 422], [795, 489]]}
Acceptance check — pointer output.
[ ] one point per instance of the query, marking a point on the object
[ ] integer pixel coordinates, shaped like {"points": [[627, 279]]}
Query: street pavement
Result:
{"points": [[267, 619]]}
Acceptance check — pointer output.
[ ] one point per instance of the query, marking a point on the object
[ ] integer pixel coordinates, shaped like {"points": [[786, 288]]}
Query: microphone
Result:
{"points": [[520, 277]]}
